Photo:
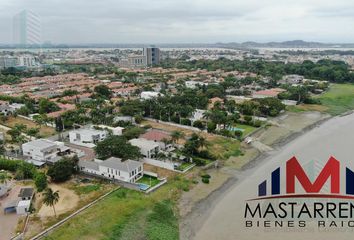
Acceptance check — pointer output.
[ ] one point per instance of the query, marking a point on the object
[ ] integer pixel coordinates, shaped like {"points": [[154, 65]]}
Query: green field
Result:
{"points": [[223, 148], [248, 129], [338, 99], [127, 214]]}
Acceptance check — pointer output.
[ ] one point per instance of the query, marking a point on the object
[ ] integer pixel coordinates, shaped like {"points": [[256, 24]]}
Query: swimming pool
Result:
{"points": [[143, 186]]}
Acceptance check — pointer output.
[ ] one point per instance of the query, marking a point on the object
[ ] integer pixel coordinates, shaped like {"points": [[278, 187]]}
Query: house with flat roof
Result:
{"points": [[147, 148], [87, 137], [40, 151], [114, 168]]}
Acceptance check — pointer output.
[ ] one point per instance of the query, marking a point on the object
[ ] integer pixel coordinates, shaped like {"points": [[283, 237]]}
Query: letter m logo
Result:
{"points": [[294, 170]]}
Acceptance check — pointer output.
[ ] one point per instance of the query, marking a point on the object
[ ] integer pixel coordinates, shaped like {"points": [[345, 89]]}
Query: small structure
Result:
{"points": [[23, 207], [147, 148], [194, 84], [87, 137], [114, 168], [26, 193]]}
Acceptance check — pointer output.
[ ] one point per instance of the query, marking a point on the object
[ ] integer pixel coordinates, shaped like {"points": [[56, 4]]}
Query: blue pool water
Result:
{"points": [[144, 186]]}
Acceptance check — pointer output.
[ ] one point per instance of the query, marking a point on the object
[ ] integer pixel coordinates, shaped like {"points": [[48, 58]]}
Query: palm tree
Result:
{"points": [[202, 142], [176, 135], [51, 198]]}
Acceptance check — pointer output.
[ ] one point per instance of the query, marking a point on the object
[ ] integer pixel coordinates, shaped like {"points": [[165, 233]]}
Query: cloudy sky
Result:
{"points": [[185, 21]]}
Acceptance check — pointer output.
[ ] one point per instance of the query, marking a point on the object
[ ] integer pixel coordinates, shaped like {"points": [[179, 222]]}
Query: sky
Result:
{"points": [[185, 21]]}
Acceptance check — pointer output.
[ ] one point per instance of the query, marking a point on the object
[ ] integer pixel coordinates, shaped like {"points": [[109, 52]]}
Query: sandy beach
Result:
{"points": [[240, 181]]}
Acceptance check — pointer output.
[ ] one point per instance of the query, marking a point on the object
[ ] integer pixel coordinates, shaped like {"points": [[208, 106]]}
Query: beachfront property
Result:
{"points": [[114, 168], [148, 148], [87, 137], [40, 151]]}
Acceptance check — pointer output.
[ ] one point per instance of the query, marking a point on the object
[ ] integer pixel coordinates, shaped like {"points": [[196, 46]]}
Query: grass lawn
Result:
{"points": [[44, 131], [128, 214], [184, 166], [223, 148], [151, 181], [338, 99], [248, 129]]}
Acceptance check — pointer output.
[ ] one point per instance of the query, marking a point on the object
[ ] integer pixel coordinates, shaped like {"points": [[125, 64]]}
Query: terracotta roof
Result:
{"points": [[156, 135]]}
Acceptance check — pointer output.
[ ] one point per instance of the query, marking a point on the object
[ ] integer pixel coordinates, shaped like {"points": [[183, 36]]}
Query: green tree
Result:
{"points": [[103, 91], [117, 146], [40, 180], [50, 198], [62, 170]]}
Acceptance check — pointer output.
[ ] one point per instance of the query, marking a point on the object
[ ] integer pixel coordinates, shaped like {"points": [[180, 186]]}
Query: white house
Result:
{"points": [[118, 131], [150, 95], [147, 148], [87, 137], [114, 168], [43, 150], [194, 84]]}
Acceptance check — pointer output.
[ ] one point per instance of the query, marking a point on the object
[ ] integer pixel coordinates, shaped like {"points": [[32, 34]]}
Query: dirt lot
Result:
{"points": [[44, 131], [68, 200]]}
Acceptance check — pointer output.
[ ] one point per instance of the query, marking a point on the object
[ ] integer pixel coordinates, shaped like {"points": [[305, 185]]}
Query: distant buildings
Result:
{"points": [[152, 55], [27, 29], [7, 62]]}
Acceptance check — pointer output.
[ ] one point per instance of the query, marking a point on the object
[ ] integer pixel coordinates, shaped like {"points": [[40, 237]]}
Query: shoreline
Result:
{"points": [[194, 220]]}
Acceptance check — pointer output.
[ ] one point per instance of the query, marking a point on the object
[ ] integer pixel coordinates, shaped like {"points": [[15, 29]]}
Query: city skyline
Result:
{"points": [[174, 21]]}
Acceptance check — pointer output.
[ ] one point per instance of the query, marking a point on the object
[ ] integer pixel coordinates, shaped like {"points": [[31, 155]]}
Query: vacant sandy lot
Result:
{"points": [[68, 200]]}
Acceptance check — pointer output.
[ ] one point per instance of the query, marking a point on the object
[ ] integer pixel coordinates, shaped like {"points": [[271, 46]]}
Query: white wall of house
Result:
{"points": [[39, 153], [87, 137]]}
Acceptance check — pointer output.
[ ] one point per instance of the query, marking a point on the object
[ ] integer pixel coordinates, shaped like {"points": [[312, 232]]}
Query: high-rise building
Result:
{"points": [[27, 29], [152, 55]]}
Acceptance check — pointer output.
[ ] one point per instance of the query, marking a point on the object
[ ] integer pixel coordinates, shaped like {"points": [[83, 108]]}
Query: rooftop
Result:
{"points": [[156, 135], [26, 192], [41, 143], [117, 163]]}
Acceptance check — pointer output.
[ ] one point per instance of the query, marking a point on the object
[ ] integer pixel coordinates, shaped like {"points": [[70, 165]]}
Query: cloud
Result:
{"points": [[162, 21]]}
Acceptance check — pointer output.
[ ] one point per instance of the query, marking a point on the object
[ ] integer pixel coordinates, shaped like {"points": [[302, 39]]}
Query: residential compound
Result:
{"points": [[87, 137], [43, 151], [114, 168]]}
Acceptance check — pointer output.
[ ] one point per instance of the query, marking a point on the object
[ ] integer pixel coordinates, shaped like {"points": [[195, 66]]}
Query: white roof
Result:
{"points": [[143, 143], [87, 131], [41, 143]]}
